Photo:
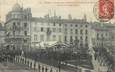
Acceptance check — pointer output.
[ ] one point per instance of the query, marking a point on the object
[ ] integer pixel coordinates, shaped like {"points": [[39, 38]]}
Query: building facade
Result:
{"points": [[55, 29], [2, 34], [22, 29], [17, 27], [103, 44]]}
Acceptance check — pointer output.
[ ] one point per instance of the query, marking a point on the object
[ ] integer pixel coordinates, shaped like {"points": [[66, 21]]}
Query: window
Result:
{"points": [[81, 25], [81, 38], [81, 44], [86, 31], [76, 31], [14, 25], [25, 17], [51, 70], [42, 23], [16, 16], [71, 25], [54, 29], [86, 44], [86, 39], [81, 31], [86, 26], [87, 71], [97, 35], [42, 29], [102, 36], [48, 31], [41, 37], [54, 37], [39, 67], [65, 38], [71, 39], [13, 32], [75, 25], [71, 31], [35, 37], [59, 29], [106, 34], [35, 29], [25, 40], [59, 24], [46, 69], [25, 25], [76, 38], [42, 69], [25, 33], [18, 23], [66, 25], [59, 37], [65, 31], [48, 38], [34, 65], [54, 24]]}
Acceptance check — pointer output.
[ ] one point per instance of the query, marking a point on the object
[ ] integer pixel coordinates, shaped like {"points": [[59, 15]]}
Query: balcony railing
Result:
{"points": [[18, 36]]}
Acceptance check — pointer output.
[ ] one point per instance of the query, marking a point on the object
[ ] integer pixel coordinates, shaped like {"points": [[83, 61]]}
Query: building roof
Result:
{"points": [[16, 7], [57, 20], [102, 27]]}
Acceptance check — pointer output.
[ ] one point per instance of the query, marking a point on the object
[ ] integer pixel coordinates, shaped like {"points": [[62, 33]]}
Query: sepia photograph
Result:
{"points": [[57, 35]]}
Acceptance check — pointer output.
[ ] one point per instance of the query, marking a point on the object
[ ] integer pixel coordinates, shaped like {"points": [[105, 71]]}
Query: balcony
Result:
{"points": [[18, 36]]}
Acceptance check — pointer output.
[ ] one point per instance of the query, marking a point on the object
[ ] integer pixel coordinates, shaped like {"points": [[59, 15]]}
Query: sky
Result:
{"points": [[77, 8]]}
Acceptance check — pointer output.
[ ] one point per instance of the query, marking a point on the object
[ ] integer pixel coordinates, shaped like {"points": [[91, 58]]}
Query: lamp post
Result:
{"points": [[59, 62]]}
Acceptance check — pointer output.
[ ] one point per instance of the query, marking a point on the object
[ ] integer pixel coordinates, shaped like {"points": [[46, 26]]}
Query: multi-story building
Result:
{"points": [[2, 34], [23, 29], [17, 27], [101, 35], [103, 44], [55, 29]]}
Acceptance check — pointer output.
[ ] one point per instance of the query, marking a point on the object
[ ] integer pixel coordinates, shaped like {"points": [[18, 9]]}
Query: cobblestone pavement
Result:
{"points": [[11, 67]]}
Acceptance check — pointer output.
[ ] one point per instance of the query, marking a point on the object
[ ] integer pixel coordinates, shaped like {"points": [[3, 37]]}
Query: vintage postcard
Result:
{"points": [[57, 35]]}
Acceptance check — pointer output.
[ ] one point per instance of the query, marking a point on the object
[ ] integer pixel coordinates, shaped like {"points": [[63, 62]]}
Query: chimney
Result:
{"points": [[70, 17], [85, 17]]}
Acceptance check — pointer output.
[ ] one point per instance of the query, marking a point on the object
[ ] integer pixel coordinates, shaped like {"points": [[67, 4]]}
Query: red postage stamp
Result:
{"points": [[106, 9]]}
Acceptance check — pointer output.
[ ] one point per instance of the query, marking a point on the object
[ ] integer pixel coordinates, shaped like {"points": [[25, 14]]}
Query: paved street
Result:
{"points": [[10, 67]]}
